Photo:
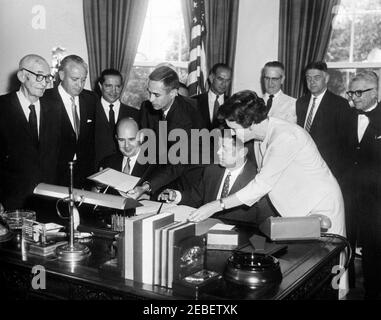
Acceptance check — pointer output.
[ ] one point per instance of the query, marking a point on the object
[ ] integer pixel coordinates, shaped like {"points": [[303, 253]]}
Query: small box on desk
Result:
{"points": [[222, 237]]}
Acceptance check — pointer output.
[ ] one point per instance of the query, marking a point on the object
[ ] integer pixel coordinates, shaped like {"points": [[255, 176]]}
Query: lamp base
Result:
{"points": [[75, 253]]}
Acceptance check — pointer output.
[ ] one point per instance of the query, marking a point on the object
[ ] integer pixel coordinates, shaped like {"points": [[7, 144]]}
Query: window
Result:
{"points": [[163, 41], [355, 42]]}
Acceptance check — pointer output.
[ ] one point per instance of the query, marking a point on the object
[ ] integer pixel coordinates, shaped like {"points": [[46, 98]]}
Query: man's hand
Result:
{"points": [[168, 195], [205, 211], [137, 192]]}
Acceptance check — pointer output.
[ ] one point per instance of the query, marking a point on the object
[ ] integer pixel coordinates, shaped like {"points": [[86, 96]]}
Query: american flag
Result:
{"points": [[197, 64]]}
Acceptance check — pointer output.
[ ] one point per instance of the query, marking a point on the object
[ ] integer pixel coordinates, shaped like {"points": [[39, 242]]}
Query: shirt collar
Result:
{"points": [[267, 95], [65, 96], [106, 104]]}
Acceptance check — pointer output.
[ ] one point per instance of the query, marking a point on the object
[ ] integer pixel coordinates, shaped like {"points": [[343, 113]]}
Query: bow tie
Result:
{"points": [[363, 112]]}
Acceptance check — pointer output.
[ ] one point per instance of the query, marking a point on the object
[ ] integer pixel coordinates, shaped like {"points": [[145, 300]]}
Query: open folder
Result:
{"points": [[116, 179]]}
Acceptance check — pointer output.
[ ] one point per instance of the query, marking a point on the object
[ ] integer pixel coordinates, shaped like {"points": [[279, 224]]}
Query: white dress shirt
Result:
{"points": [[25, 103], [317, 104], [132, 161], [295, 176], [283, 106], [66, 98], [106, 108], [211, 99], [363, 122], [234, 173]]}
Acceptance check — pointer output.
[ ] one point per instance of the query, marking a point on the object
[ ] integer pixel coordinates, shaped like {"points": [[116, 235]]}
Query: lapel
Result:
{"points": [[59, 102], [204, 108], [83, 115], [303, 109], [374, 128], [215, 180], [321, 111]]}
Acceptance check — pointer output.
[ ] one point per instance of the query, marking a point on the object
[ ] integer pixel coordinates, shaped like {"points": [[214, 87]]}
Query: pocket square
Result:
{"points": [[89, 120], [378, 138]]}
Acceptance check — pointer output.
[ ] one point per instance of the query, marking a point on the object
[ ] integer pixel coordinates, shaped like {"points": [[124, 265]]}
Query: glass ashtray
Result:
{"points": [[14, 218]]}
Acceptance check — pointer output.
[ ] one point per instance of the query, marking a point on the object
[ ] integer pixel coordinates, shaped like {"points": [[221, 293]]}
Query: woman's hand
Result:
{"points": [[205, 211]]}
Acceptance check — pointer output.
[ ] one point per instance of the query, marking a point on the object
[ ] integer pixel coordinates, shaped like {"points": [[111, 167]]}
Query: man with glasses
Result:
{"points": [[362, 178], [281, 105], [77, 109], [322, 114], [28, 135]]}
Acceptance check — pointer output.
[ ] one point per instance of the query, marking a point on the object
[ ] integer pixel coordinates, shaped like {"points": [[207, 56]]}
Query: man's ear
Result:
{"points": [[326, 77], [21, 76], [61, 73], [100, 86], [282, 80], [140, 136]]}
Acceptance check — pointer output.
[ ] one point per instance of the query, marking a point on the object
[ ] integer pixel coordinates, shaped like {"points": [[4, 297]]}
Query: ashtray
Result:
{"points": [[14, 218]]}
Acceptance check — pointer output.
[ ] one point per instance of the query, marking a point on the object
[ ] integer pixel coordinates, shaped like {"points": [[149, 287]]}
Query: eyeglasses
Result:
{"points": [[272, 79], [39, 77], [357, 93]]}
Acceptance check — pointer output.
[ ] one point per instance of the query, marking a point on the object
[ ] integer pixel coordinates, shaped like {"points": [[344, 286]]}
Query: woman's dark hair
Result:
{"points": [[245, 108]]}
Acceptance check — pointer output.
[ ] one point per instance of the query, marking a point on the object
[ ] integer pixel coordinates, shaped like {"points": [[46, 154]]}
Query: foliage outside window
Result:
{"points": [[163, 41], [355, 42]]}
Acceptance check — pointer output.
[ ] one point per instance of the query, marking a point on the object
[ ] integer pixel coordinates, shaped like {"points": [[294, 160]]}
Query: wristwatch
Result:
{"points": [[147, 184]]}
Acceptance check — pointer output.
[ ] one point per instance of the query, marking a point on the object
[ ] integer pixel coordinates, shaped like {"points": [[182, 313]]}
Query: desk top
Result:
{"points": [[301, 262]]}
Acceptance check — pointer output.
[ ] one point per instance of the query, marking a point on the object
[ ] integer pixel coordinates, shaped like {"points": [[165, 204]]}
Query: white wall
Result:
{"points": [[257, 42], [18, 37]]}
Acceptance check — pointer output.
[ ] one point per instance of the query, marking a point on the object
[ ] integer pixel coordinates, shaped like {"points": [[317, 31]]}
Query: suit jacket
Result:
{"points": [[181, 115], [105, 143], [84, 148], [295, 176], [206, 190], [362, 178], [115, 161], [22, 163], [203, 107], [327, 127]]}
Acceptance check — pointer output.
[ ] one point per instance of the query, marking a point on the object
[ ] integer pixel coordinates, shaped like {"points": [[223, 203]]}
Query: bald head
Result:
{"points": [[34, 75], [128, 137]]}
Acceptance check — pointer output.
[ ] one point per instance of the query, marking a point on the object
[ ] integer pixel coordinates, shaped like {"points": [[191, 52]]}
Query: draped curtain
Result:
{"points": [[221, 29], [113, 29], [305, 28]]}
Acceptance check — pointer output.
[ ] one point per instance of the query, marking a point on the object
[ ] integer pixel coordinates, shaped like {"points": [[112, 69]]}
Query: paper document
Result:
{"points": [[181, 212], [222, 226], [116, 179]]}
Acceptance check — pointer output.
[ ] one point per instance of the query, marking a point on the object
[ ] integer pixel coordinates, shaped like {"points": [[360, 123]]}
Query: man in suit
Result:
{"points": [[362, 179], [321, 113], [290, 169], [77, 121], [209, 102], [280, 105], [164, 113], [129, 158], [109, 111], [234, 171], [28, 135]]}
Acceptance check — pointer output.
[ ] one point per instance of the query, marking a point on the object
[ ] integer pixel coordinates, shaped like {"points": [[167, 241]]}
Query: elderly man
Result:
{"points": [[28, 135], [77, 121], [109, 111], [362, 179], [209, 102], [280, 105]]}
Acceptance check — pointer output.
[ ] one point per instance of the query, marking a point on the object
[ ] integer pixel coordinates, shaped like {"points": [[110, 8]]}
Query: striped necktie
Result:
{"points": [[33, 123], [310, 114], [76, 121]]}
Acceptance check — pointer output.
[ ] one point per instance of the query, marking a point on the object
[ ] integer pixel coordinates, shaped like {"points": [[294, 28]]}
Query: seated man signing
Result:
{"points": [[234, 171]]}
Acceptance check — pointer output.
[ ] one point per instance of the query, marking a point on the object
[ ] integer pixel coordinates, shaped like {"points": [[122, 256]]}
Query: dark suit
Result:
{"points": [[84, 148], [206, 190], [327, 127], [182, 115], [115, 161], [203, 107], [105, 143], [361, 188], [24, 164]]}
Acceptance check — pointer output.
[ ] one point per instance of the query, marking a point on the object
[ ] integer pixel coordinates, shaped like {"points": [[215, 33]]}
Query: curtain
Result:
{"points": [[186, 7], [305, 28], [221, 31], [113, 29]]}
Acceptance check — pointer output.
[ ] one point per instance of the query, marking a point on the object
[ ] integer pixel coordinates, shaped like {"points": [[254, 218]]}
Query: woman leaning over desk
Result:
{"points": [[291, 169]]}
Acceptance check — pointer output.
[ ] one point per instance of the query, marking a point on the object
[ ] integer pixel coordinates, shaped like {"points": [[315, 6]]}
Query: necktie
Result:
{"points": [[225, 187], [362, 112], [215, 108], [126, 168], [111, 117], [33, 123], [270, 101], [163, 117], [309, 118], [76, 122]]}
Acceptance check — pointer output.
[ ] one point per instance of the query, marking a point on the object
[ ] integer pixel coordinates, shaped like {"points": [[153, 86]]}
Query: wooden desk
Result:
{"points": [[306, 269]]}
